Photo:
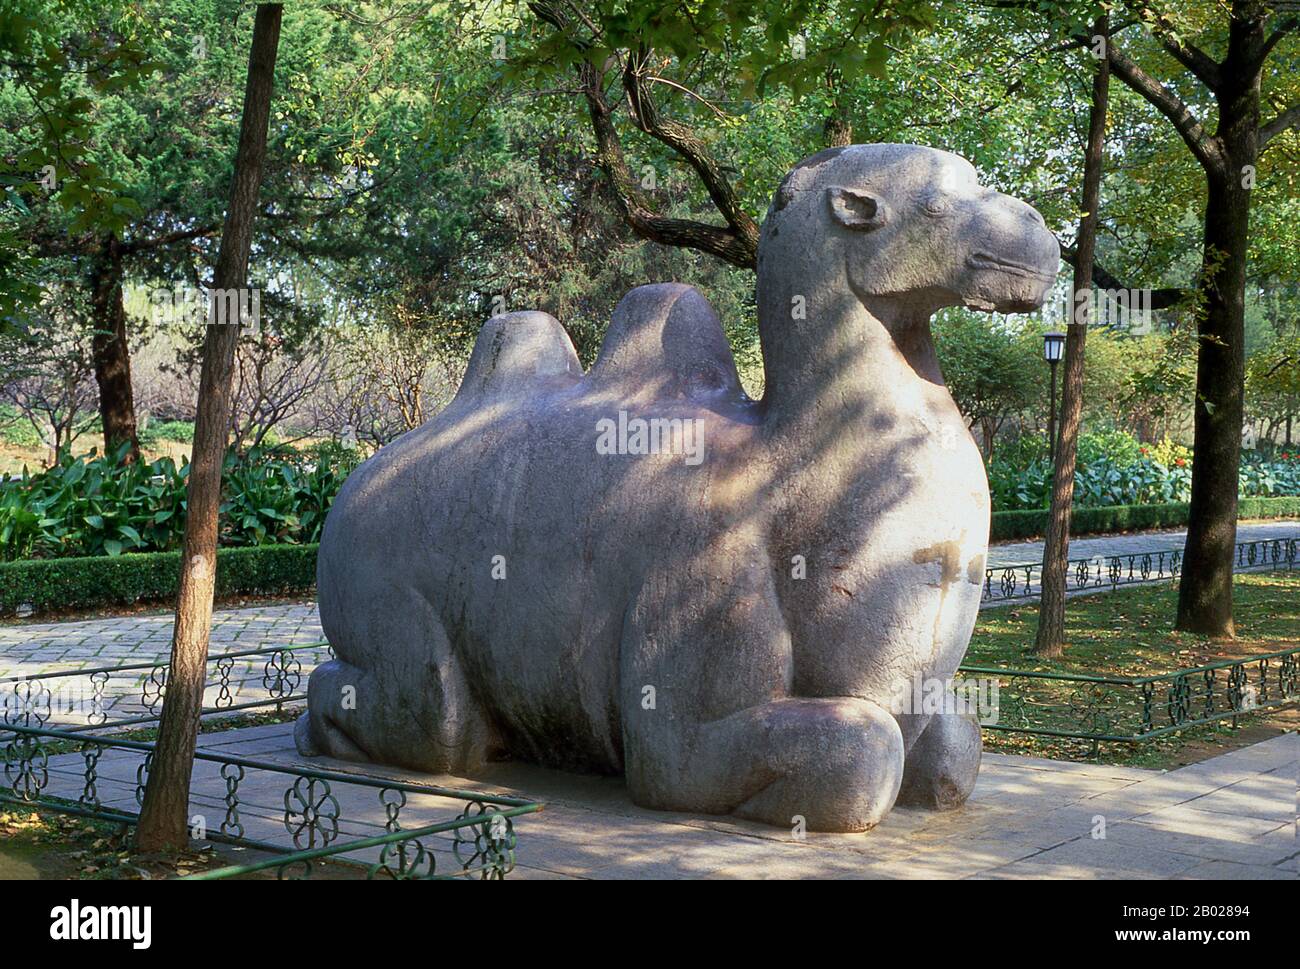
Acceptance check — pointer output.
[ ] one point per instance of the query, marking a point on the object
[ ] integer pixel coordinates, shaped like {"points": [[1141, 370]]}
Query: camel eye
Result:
{"points": [[937, 204]]}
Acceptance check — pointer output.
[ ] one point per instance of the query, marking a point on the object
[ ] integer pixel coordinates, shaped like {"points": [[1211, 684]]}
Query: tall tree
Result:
{"points": [[1056, 549], [140, 171], [1229, 157], [163, 816], [56, 63]]}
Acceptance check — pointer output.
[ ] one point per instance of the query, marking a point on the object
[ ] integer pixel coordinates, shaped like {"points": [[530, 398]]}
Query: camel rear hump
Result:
{"points": [[665, 342]]}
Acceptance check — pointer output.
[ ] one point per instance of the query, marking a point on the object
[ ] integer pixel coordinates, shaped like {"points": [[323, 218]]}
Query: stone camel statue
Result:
{"points": [[727, 632]]}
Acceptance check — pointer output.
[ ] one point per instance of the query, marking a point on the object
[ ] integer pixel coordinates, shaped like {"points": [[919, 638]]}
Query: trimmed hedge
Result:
{"points": [[1010, 525], [94, 581]]}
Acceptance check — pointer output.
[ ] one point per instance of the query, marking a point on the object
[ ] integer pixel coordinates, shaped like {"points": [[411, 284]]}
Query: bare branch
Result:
{"points": [[684, 141], [137, 245], [736, 242], [1283, 29], [685, 90], [719, 241]]}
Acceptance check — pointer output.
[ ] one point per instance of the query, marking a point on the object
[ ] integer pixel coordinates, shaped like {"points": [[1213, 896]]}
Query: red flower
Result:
{"points": [[1179, 461]]}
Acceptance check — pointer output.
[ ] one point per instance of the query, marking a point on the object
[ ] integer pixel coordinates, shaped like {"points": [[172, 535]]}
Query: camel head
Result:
{"points": [[910, 230]]}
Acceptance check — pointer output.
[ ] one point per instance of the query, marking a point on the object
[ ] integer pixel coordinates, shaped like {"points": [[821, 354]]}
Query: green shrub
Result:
{"points": [[336, 455], [16, 430], [1288, 507], [91, 582], [182, 432], [1114, 469], [1032, 523], [1117, 448], [92, 505]]}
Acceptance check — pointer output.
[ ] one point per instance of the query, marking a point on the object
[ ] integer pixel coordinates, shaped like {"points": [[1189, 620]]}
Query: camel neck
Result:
{"points": [[827, 357]]}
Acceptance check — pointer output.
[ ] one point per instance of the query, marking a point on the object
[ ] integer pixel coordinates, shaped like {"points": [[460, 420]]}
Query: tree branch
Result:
{"points": [[735, 243], [137, 245], [687, 144], [1203, 145], [1204, 67], [1284, 120], [1160, 298], [1284, 28], [723, 242]]}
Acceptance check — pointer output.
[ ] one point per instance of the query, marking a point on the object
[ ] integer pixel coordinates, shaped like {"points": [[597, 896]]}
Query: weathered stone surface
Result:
{"points": [[726, 621], [943, 764]]}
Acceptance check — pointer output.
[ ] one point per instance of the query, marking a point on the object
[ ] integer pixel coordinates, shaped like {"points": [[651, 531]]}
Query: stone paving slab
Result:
{"points": [[74, 698], [1233, 816], [1020, 804]]}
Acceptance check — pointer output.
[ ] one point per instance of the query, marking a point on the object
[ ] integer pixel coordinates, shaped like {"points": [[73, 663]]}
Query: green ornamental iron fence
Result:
{"points": [[1139, 708], [57, 726], [61, 770], [1022, 581]]}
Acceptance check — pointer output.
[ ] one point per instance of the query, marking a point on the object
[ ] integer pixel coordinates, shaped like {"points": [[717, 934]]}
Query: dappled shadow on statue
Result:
{"points": [[641, 570]]}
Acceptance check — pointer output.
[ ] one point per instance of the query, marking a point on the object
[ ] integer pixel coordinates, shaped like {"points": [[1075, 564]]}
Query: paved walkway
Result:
{"points": [[41, 647], [1031, 553], [1230, 817], [27, 650]]}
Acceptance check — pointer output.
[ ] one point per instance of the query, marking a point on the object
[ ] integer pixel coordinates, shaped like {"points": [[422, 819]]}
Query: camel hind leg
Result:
{"points": [[397, 695]]}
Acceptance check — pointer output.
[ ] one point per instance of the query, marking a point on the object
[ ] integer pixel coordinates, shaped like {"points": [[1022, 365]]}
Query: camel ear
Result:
{"points": [[856, 210]]}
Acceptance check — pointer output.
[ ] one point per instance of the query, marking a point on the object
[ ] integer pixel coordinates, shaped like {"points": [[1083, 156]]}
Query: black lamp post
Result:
{"points": [[1053, 347]]}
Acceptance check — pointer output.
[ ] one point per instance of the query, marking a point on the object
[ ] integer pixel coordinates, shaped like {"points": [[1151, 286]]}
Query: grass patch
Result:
{"points": [[181, 432], [48, 845], [16, 430], [1130, 633]]}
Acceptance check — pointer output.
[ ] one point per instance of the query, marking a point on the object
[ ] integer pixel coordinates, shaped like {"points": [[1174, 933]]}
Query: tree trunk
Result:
{"points": [[111, 354], [1050, 640], [837, 131], [163, 817], [1205, 588]]}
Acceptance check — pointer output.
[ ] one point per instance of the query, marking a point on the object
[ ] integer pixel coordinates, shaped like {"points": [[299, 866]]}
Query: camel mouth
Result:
{"points": [[982, 260]]}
